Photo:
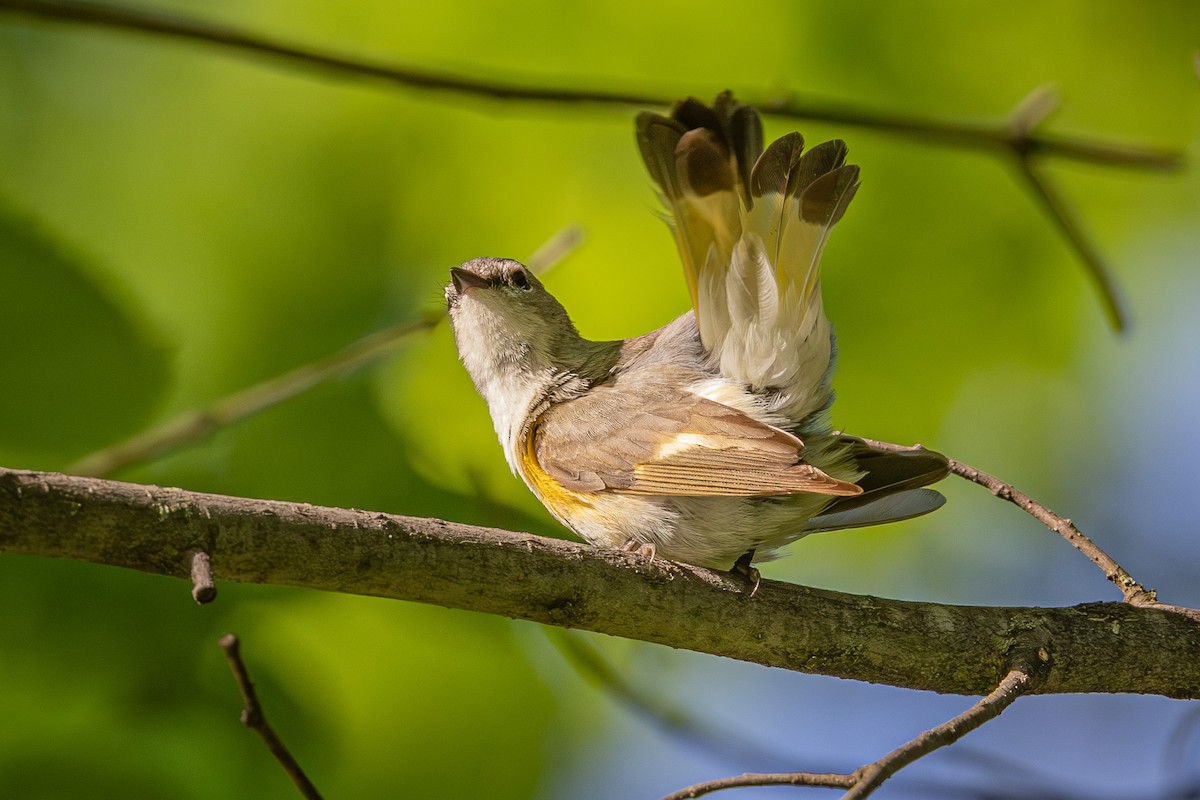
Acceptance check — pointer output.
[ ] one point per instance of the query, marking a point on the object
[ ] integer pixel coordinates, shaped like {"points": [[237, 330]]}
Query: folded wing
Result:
{"points": [[673, 444]]}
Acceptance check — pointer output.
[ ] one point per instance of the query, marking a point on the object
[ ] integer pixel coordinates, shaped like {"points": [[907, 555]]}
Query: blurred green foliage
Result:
{"points": [[177, 223]]}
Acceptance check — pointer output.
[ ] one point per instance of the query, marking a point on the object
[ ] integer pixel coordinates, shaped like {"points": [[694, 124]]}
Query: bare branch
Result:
{"points": [[951, 133], [195, 425], [1099, 647], [1133, 592], [555, 249], [254, 719], [1064, 217], [829, 780], [1017, 682], [1016, 137], [178, 26], [869, 777]]}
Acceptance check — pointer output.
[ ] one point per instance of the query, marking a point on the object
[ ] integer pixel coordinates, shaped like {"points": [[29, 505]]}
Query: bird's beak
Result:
{"points": [[464, 279]]}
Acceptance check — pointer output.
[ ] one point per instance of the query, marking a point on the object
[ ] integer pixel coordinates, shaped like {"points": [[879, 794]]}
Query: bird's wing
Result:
{"points": [[670, 443]]}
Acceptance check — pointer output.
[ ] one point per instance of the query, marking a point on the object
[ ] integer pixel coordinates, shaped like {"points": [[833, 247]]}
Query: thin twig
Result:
{"points": [[867, 778], [204, 590], [954, 133], [1022, 142], [1133, 592], [1024, 120], [253, 718], [1068, 223], [830, 780], [1016, 683], [555, 250], [180, 27], [195, 424]]}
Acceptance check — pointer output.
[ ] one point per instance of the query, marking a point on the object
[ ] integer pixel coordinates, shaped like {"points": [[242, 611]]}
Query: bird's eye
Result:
{"points": [[520, 280]]}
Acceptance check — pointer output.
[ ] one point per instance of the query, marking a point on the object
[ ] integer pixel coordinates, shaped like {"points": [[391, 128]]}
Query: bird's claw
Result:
{"points": [[744, 569]]}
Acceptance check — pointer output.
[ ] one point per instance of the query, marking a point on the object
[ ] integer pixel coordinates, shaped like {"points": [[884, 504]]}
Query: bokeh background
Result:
{"points": [[177, 223]]}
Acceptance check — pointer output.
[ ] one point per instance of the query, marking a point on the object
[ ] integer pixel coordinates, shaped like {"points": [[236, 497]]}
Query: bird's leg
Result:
{"points": [[745, 570], [641, 548]]}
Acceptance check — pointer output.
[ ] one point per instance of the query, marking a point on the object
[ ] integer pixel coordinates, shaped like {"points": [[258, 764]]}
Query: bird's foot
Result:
{"points": [[746, 571], [641, 548]]}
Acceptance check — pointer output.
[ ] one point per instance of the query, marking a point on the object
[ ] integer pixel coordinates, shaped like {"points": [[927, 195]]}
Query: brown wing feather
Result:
{"points": [[672, 443]]}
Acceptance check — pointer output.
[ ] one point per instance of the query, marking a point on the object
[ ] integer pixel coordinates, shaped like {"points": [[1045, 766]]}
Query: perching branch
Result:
{"points": [[254, 719], [1017, 137], [869, 777], [1098, 647]]}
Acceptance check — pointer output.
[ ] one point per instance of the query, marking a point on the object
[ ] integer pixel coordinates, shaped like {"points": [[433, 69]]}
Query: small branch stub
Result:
{"points": [[204, 590]]}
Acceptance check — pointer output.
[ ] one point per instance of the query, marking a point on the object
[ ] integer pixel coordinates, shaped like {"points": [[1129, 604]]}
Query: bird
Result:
{"points": [[707, 441]]}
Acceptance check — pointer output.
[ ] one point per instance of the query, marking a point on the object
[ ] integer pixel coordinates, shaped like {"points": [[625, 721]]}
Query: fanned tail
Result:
{"points": [[750, 227]]}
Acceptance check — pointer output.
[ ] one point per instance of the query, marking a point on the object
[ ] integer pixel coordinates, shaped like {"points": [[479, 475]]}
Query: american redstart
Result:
{"points": [[706, 441]]}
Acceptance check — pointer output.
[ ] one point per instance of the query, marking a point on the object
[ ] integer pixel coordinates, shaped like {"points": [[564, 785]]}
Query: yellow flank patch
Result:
{"points": [[561, 501]]}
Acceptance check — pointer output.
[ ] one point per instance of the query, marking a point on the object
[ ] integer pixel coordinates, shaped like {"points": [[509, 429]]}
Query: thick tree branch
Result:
{"points": [[1098, 647]]}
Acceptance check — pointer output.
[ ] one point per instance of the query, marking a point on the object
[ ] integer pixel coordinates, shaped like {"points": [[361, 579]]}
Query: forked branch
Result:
{"points": [[869, 777]]}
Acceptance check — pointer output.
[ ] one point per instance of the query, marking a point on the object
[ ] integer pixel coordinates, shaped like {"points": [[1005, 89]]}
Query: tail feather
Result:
{"points": [[880, 510], [750, 226], [701, 158], [891, 475]]}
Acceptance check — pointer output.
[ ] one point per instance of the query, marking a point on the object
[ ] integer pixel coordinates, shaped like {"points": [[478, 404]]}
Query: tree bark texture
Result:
{"points": [[1097, 647]]}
